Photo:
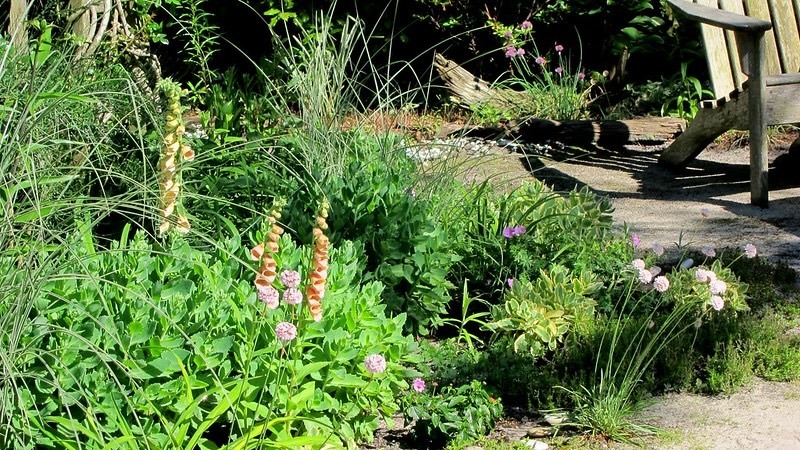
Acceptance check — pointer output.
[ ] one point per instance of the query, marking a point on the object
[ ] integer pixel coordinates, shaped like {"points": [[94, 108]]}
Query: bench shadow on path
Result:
{"points": [[704, 180]]}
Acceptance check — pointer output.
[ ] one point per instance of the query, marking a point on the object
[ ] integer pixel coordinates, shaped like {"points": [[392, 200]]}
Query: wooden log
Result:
{"points": [[468, 90]]}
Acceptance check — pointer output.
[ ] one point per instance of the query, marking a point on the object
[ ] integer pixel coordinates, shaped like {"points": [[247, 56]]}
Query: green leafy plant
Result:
{"points": [[464, 412], [690, 93]]}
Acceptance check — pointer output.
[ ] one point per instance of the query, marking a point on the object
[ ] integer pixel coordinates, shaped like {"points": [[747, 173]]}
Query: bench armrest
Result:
{"points": [[723, 19]]}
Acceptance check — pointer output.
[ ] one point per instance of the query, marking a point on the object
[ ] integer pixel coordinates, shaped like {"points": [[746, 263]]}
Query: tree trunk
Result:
{"points": [[17, 24]]}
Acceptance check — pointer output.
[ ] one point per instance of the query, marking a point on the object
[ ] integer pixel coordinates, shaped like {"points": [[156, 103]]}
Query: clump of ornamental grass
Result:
{"points": [[666, 305], [175, 150]]}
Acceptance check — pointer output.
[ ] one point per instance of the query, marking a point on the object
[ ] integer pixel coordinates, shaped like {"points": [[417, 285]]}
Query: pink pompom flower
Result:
{"points": [[717, 302], [290, 278], [269, 295], [285, 331], [750, 251], [375, 363], [661, 284], [292, 296]]}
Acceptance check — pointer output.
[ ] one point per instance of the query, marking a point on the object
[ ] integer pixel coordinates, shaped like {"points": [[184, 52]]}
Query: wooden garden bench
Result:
{"points": [[753, 53]]}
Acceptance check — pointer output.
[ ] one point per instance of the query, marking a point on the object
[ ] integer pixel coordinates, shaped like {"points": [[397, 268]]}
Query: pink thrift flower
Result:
{"points": [[661, 284], [709, 251], [635, 240], [375, 363], [559, 70], [511, 51], [540, 60], [658, 249], [285, 331], [559, 48], [518, 230], [717, 302], [718, 287], [704, 276], [290, 278], [520, 51], [418, 385], [269, 295], [645, 277], [526, 25], [581, 76], [508, 232], [638, 264], [655, 270], [292, 296], [750, 251]]}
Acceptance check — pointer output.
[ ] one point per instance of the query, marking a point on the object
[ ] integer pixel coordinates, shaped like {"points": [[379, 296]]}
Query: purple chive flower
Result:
{"points": [[709, 251], [518, 230], [581, 76], [418, 385], [540, 60], [717, 302], [511, 51], [510, 282], [285, 331], [750, 251], [269, 295], [292, 296], [658, 249], [375, 363], [635, 240], [559, 48], [290, 278], [661, 284], [520, 51], [508, 232], [526, 25], [559, 70]]}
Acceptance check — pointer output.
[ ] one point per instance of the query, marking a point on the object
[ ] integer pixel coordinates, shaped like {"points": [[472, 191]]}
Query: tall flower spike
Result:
{"points": [[315, 290], [173, 145], [266, 251]]}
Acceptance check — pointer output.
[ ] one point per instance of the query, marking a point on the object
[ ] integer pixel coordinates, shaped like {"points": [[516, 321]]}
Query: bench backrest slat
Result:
{"points": [[782, 41]]}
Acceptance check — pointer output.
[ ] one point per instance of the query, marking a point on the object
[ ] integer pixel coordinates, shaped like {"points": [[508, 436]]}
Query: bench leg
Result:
{"points": [[708, 124]]}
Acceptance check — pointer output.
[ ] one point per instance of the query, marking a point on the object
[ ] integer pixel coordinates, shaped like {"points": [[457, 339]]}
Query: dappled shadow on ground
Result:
{"points": [[718, 179]]}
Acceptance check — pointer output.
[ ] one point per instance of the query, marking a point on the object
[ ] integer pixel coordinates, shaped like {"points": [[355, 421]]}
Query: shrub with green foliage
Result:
{"points": [[464, 412], [169, 347]]}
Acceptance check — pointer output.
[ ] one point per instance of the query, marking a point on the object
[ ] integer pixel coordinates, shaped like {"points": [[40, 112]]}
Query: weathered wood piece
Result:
{"points": [[764, 46], [467, 90], [17, 24]]}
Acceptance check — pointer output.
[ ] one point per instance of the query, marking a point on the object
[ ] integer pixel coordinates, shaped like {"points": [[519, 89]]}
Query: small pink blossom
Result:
{"points": [[375, 363], [638, 264], [750, 251], [269, 295], [511, 51], [718, 287], [559, 48], [540, 60], [559, 70], [526, 25], [709, 251], [705, 276], [285, 331], [717, 302], [290, 278], [661, 284], [519, 230], [292, 296], [510, 282], [635, 240], [645, 276], [520, 51], [581, 76], [658, 249], [508, 35], [418, 385]]}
